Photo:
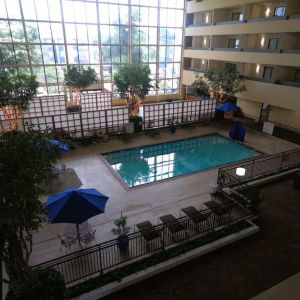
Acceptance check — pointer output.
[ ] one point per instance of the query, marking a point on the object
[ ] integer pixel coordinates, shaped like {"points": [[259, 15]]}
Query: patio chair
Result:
{"points": [[221, 210], [149, 233], [66, 242], [196, 216], [88, 238], [173, 225]]}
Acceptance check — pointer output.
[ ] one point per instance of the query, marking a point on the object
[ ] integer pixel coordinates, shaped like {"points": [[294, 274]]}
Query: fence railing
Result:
{"points": [[178, 112], [85, 124], [107, 256], [259, 167]]}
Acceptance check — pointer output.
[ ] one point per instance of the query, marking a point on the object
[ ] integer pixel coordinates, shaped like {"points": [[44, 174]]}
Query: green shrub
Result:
{"points": [[48, 285]]}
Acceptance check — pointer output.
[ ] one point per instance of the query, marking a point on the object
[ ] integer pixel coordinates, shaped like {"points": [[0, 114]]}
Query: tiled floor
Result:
{"points": [[146, 202]]}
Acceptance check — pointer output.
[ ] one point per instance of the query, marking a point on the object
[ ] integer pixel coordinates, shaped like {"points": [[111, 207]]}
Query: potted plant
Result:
{"points": [[77, 78], [121, 230], [133, 82]]}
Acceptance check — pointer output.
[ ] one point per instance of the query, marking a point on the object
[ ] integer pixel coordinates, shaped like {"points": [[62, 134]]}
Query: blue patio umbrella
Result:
{"points": [[75, 205], [227, 106], [63, 147]]}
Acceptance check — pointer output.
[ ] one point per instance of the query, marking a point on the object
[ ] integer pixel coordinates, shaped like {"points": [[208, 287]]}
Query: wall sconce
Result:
{"points": [[262, 41], [204, 41], [268, 12], [207, 18], [203, 61], [240, 171], [257, 69]]}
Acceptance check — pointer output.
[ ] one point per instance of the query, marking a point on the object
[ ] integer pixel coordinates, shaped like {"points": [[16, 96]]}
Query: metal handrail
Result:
{"points": [[106, 256]]}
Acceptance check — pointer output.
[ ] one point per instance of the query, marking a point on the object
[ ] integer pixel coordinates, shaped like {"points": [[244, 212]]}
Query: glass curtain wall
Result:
{"points": [[42, 37]]}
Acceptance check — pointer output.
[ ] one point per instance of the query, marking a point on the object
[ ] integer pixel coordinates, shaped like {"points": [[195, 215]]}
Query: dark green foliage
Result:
{"points": [[47, 284], [155, 259], [79, 77], [201, 85], [224, 83], [17, 89], [26, 165], [133, 80]]}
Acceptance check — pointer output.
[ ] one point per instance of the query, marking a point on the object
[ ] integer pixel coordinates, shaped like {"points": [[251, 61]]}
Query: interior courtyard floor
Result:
{"points": [[146, 202]]}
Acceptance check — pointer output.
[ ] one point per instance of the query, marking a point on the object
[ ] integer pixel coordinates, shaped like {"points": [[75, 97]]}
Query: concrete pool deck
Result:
{"points": [[147, 202]]}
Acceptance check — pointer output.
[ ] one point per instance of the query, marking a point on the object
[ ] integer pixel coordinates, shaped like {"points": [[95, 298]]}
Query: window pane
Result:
{"points": [[42, 10], [13, 9], [17, 31], [106, 54], [73, 54], [114, 33], [124, 54], [124, 35], [36, 54], [152, 54], [45, 32], [51, 76], [279, 11], [115, 54], [104, 14], [57, 32], [3, 10], [71, 33], [178, 36], [82, 33], [79, 11], [177, 53], [68, 11], [91, 12], [28, 9], [83, 54], [162, 54], [59, 54], [94, 54], [152, 36], [55, 12], [4, 32], [105, 37], [39, 73], [21, 54], [48, 54], [124, 15], [153, 17], [93, 34], [114, 14]]}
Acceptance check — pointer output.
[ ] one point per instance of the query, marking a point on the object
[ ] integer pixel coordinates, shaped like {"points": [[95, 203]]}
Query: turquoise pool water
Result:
{"points": [[142, 165]]}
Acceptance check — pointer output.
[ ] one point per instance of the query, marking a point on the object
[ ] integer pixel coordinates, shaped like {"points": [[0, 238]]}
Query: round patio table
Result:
{"points": [[77, 231]]}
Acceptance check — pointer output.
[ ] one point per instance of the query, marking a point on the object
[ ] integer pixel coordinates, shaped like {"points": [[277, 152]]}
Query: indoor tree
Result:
{"points": [[26, 165], [201, 85], [133, 82], [222, 83], [16, 92], [78, 77]]}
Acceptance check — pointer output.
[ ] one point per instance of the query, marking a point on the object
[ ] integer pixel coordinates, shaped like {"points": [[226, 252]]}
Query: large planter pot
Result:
{"points": [[123, 242], [137, 123]]}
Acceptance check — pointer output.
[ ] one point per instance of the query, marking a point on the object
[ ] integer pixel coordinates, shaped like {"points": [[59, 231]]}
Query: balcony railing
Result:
{"points": [[107, 256]]}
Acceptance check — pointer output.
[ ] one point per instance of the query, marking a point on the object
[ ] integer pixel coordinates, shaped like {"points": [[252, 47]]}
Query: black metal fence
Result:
{"points": [[259, 167], [106, 256], [178, 112], [85, 124]]}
